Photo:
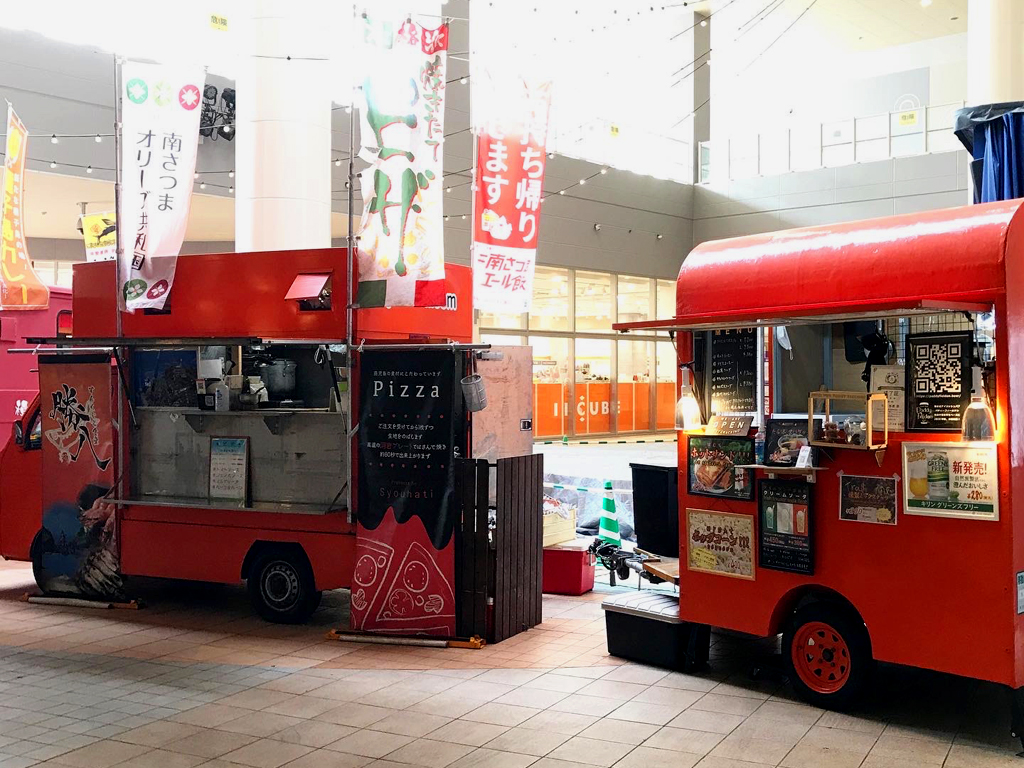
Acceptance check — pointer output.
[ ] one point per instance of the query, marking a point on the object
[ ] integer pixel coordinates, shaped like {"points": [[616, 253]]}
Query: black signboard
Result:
{"points": [[734, 371], [783, 440], [785, 542], [408, 411], [938, 386]]}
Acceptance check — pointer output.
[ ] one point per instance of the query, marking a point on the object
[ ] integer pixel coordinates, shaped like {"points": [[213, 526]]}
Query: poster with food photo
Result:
{"points": [[785, 542], [783, 440], [720, 542], [864, 499], [713, 467]]}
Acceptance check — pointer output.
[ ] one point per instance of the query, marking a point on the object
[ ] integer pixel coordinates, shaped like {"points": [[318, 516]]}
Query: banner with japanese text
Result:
{"points": [[511, 121], [99, 230], [20, 286], [160, 133], [401, 236]]}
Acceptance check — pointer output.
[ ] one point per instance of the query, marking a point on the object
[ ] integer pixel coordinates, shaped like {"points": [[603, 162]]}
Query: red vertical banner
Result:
{"points": [[509, 176], [20, 286], [76, 549]]}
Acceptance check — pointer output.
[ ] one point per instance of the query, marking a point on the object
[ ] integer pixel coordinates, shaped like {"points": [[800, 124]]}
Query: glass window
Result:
{"points": [[633, 384], [63, 274], [593, 386], [551, 361], [593, 301], [502, 339], [665, 386], [499, 320], [633, 295], [666, 299], [550, 309]]}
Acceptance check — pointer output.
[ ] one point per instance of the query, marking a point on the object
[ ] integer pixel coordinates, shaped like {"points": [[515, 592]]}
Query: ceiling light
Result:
{"points": [[99, 139], [89, 169], [53, 163], [54, 139], [231, 174]]}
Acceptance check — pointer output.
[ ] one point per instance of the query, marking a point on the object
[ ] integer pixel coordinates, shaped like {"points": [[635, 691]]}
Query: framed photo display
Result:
{"points": [[938, 380], [783, 439], [713, 467], [785, 542]]}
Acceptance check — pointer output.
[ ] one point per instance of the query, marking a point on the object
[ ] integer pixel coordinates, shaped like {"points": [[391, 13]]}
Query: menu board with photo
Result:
{"points": [[734, 371], [783, 440], [785, 532], [713, 466], [865, 499], [229, 468], [951, 480], [720, 542], [938, 386]]}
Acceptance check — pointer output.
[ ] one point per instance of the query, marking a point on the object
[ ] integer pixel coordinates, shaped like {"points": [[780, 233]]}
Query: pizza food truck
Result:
{"points": [[883, 520], [233, 462]]}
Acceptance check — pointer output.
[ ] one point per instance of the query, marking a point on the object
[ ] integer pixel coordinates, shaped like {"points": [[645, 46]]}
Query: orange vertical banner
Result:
{"points": [[20, 286]]}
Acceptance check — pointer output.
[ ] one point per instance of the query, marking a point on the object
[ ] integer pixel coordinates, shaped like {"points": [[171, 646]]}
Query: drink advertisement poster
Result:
{"points": [[865, 499], [720, 542], [785, 542], [409, 412], [951, 480]]}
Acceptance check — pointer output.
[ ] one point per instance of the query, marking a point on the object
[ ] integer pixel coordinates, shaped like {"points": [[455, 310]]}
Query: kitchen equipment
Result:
{"points": [[279, 376]]}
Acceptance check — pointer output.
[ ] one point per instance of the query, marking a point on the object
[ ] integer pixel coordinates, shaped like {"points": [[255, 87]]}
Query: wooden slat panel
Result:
{"points": [[501, 555], [521, 543], [462, 589], [537, 514], [481, 550]]}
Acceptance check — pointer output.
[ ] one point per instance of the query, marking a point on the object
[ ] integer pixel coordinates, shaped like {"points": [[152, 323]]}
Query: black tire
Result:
{"points": [[281, 587], [835, 663], [36, 554]]}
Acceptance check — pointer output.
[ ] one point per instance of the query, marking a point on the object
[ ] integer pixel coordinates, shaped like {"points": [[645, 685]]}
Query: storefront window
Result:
{"points": [[635, 362], [593, 301], [502, 340], [500, 320], [550, 309], [666, 299], [665, 386], [633, 295], [593, 402], [551, 361]]}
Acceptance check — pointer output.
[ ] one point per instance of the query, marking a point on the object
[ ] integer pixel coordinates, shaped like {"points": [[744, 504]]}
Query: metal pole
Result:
{"points": [[350, 299], [118, 253]]}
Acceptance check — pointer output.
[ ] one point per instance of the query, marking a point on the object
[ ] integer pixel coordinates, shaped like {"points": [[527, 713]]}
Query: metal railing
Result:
{"points": [[839, 142]]}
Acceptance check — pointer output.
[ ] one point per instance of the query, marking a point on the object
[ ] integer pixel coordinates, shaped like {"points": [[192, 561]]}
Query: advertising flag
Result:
{"points": [[99, 230], [20, 286], [401, 237], [511, 120], [160, 109]]}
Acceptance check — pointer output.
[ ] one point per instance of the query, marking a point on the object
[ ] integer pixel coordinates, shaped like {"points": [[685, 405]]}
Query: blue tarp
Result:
{"points": [[994, 135]]}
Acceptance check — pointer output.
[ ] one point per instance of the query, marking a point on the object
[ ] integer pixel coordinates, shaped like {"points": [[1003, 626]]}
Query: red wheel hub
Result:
{"points": [[821, 657]]}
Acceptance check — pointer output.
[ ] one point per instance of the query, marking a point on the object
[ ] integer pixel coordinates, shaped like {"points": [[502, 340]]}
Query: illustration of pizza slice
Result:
{"points": [[373, 562], [420, 598]]}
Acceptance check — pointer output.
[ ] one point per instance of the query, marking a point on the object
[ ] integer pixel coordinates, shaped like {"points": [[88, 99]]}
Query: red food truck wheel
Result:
{"points": [[281, 587], [828, 654]]}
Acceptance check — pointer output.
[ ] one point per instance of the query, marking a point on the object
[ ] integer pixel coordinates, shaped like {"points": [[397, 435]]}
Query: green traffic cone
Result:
{"points": [[608, 527]]}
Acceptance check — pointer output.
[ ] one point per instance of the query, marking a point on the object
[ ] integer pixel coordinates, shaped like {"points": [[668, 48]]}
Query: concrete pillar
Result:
{"points": [[283, 138], [995, 51]]}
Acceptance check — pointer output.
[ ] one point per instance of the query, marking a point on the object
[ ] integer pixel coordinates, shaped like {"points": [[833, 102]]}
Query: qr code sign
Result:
{"points": [[937, 368]]}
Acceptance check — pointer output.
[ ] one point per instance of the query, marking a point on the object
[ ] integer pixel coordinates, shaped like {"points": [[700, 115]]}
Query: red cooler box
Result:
{"points": [[569, 568]]}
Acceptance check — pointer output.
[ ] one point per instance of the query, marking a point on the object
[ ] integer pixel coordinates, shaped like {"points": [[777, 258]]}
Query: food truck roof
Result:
{"points": [[945, 260]]}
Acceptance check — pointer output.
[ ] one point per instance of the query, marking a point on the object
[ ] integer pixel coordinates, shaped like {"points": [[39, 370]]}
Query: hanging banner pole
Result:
{"points": [[350, 288], [119, 247]]}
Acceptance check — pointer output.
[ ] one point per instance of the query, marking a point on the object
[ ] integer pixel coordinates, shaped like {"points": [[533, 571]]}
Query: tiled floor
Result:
{"points": [[195, 680]]}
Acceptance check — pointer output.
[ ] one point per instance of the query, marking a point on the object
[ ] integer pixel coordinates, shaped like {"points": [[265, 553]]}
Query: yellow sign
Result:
{"points": [[908, 118], [615, 130], [702, 558], [220, 23], [100, 233]]}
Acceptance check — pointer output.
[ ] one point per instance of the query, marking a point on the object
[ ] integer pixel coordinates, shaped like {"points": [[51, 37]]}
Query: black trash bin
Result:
{"points": [[656, 508]]}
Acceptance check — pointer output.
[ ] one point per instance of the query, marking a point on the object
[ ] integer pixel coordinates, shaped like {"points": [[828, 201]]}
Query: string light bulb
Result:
{"points": [[561, 191], [89, 169], [195, 175], [231, 190], [463, 216], [202, 185], [54, 139], [53, 163], [704, 22], [338, 162], [464, 80], [604, 171], [231, 174], [227, 128], [660, 237], [582, 182]]}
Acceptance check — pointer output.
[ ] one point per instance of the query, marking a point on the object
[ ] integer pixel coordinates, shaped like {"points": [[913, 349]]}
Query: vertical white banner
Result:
{"points": [[160, 109]]}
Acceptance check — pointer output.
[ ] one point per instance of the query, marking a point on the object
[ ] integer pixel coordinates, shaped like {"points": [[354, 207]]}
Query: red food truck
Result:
{"points": [[253, 487], [885, 520]]}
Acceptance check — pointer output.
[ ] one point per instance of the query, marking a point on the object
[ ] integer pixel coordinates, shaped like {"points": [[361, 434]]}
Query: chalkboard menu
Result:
{"points": [[734, 371], [785, 542], [938, 381]]}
